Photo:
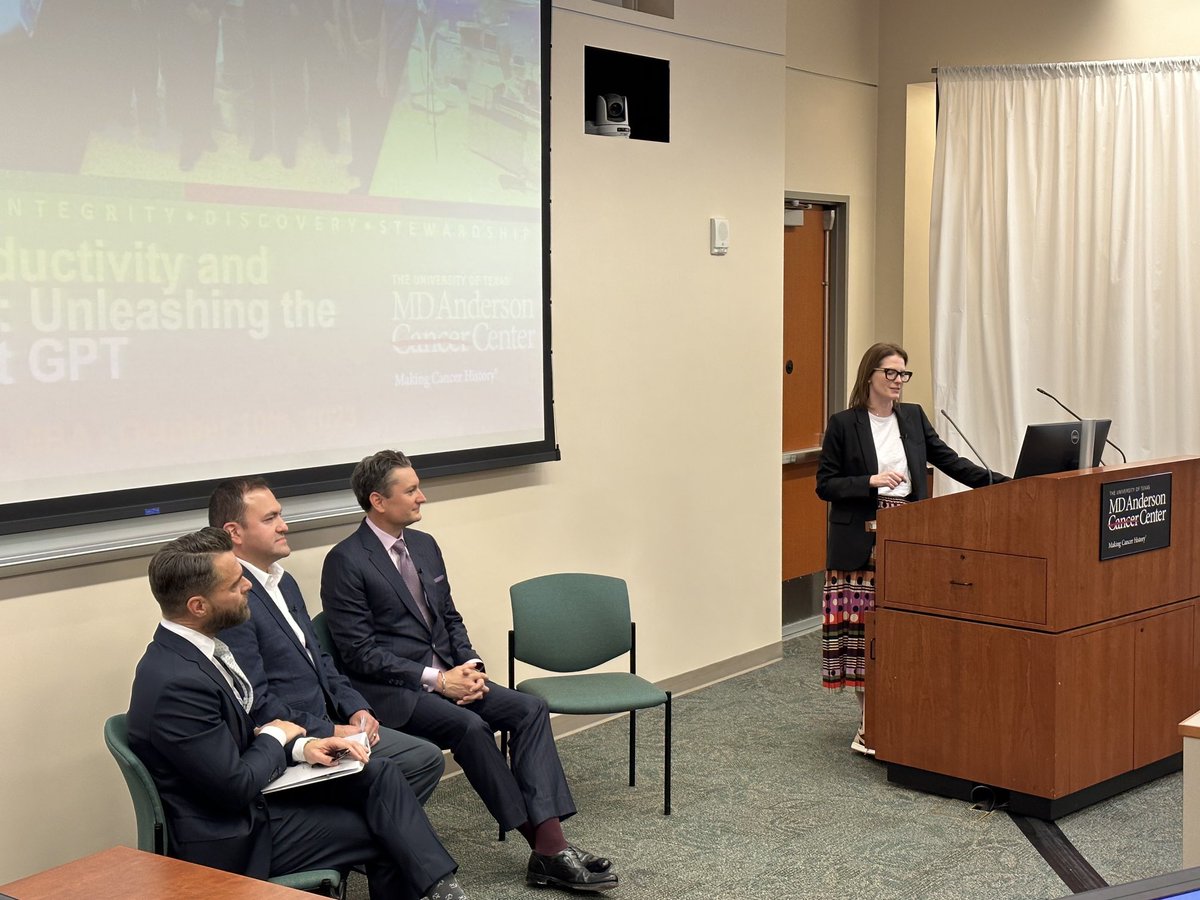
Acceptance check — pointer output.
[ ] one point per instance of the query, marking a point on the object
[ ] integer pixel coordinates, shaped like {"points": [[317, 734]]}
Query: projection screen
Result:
{"points": [[267, 237]]}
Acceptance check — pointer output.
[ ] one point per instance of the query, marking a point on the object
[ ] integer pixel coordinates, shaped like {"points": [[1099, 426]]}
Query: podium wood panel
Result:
{"points": [[1164, 698], [1088, 706], [1057, 518], [952, 721], [1008, 654], [998, 586]]}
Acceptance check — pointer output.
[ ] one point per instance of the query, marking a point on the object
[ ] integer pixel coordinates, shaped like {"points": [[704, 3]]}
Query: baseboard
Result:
{"points": [[678, 685], [801, 627]]}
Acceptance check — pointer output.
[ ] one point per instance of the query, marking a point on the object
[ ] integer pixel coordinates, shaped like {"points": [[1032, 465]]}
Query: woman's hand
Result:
{"points": [[887, 480]]}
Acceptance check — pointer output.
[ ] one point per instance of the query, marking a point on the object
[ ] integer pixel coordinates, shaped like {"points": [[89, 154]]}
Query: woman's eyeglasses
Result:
{"points": [[893, 374]]}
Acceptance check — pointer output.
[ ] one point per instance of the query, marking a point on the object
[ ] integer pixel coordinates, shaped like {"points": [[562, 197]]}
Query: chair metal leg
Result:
{"points": [[512, 685], [667, 759], [500, 836], [632, 744]]}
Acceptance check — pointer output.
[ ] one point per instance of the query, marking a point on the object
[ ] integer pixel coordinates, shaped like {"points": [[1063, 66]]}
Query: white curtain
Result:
{"points": [[1065, 253]]}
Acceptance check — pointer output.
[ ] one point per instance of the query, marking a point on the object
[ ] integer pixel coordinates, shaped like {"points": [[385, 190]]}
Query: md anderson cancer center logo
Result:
{"points": [[446, 326], [1135, 515]]}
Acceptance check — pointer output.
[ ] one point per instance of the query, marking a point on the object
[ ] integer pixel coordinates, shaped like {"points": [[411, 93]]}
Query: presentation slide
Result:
{"points": [[260, 236]]}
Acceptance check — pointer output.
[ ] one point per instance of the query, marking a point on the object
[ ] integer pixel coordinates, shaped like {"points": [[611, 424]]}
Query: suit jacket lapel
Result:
{"points": [[294, 601], [866, 441], [192, 654], [912, 437], [386, 566], [265, 599], [425, 571]]}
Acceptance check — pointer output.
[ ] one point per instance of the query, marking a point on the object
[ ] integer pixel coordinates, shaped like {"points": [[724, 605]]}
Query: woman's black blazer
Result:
{"points": [[848, 461]]}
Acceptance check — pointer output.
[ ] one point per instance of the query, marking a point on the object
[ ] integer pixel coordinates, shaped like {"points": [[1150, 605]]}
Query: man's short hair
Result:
{"points": [[373, 473], [184, 568], [228, 500]]}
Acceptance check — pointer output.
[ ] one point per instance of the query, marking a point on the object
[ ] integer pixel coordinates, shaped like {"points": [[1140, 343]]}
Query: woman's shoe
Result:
{"points": [[859, 744]]}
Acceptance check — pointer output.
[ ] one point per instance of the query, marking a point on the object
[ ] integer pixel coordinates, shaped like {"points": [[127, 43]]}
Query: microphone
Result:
{"points": [[954, 425], [1075, 415]]}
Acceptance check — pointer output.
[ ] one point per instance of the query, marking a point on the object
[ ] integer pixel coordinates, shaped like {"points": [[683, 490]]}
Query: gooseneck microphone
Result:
{"points": [[1075, 415], [954, 425]]}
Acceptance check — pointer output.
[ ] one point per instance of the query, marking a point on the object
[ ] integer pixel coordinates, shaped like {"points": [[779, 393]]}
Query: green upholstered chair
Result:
{"points": [[152, 823], [571, 622], [325, 639]]}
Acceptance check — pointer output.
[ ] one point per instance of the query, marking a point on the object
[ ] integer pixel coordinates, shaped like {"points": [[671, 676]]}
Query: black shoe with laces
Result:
{"points": [[591, 861], [566, 870]]}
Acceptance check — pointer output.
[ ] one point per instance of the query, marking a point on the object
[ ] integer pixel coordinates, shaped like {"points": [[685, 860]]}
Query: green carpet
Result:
{"points": [[769, 802]]}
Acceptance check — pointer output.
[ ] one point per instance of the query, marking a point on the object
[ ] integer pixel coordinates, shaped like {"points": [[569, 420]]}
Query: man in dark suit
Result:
{"points": [[388, 604], [189, 723], [293, 677]]}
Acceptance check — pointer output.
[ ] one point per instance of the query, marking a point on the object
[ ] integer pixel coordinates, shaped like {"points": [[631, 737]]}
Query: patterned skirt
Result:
{"points": [[846, 599]]}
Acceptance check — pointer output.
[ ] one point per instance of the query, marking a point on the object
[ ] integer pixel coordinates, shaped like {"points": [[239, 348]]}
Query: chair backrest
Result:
{"points": [[325, 639], [570, 621], [147, 807]]}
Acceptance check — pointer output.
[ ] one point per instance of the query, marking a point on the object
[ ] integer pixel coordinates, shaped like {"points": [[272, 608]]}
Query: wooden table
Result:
{"points": [[122, 872], [1189, 728]]}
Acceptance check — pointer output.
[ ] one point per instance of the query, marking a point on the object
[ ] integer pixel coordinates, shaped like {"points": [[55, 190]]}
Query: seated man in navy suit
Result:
{"points": [[403, 643], [190, 724], [293, 677]]}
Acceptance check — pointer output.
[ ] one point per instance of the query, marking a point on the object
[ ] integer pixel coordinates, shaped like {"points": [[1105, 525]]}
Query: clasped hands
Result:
{"points": [[463, 684]]}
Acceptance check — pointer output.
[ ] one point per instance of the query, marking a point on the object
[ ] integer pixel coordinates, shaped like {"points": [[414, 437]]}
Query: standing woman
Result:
{"points": [[874, 456]]}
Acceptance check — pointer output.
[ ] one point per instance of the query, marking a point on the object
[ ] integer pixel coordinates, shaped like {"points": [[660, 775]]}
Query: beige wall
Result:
{"points": [[667, 396], [921, 34]]}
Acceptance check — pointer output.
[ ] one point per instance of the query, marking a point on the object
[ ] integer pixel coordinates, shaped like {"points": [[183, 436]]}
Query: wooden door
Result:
{"points": [[805, 267]]}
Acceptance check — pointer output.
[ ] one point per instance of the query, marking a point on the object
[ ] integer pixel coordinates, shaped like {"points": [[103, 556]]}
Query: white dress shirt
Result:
{"points": [[889, 449], [270, 583]]}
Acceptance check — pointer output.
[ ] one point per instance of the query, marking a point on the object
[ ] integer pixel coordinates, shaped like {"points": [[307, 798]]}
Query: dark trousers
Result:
{"points": [[371, 817], [535, 788], [420, 761]]}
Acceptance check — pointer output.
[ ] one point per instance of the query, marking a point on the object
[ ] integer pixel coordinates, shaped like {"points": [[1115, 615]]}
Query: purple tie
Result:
{"points": [[412, 580]]}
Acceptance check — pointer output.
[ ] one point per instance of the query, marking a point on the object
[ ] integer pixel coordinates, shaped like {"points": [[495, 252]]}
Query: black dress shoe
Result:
{"points": [[565, 870], [591, 861]]}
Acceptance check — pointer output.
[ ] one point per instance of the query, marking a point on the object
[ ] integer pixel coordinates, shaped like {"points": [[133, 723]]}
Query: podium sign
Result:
{"points": [[1135, 515]]}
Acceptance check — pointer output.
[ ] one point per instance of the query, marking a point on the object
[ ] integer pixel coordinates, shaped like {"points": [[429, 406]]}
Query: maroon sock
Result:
{"points": [[526, 832], [545, 838]]}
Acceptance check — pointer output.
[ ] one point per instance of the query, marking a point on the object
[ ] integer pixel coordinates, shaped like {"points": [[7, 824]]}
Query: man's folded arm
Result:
{"points": [[190, 731]]}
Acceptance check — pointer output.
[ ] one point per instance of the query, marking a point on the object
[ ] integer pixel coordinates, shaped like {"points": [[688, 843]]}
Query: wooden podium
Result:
{"points": [[1006, 657]]}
